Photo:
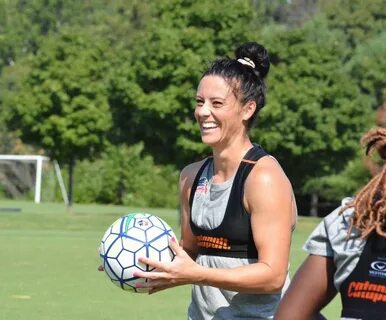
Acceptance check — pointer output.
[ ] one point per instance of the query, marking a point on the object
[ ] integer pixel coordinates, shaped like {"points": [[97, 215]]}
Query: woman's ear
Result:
{"points": [[249, 109]]}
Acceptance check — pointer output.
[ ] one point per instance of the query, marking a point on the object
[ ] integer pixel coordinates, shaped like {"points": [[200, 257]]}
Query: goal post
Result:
{"points": [[38, 160]]}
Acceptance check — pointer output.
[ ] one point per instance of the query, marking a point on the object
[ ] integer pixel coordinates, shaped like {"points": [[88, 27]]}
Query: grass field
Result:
{"points": [[48, 262]]}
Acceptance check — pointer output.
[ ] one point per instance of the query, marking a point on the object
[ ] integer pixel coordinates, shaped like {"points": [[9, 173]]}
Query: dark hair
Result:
{"points": [[247, 82], [369, 204]]}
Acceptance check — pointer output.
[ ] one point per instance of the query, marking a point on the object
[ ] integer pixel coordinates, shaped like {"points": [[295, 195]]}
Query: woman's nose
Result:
{"points": [[204, 110]]}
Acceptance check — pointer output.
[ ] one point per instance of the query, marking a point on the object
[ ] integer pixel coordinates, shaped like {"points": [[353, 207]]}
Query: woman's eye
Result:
{"points": [[199, 103], [217, 104]]}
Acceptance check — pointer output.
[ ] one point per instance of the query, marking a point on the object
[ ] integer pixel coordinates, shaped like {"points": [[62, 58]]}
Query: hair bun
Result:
{"points": [[257, 53]]}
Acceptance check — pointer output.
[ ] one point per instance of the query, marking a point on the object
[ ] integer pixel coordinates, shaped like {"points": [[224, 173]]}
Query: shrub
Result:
{"points": [[124, 175]]}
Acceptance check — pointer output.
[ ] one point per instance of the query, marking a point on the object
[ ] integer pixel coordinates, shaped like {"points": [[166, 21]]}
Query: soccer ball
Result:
{"points": [[130, 237]]}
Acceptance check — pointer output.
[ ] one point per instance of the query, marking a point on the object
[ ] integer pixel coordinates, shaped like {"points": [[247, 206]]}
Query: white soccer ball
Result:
{"points": [[130, 237]]}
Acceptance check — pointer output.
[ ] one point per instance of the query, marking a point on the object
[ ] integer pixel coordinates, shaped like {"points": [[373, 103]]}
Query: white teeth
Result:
{"points": [[209, 125]]}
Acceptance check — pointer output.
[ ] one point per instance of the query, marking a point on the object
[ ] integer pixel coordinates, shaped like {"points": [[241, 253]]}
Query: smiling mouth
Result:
{"points": [[208, 126]]}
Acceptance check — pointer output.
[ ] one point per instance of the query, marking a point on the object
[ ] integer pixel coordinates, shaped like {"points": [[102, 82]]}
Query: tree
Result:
{"points": [[24, 25], [356, 20], [368, 67], [75, 74], [316, 111], [356, 173], [154, 86], [62, 104]]}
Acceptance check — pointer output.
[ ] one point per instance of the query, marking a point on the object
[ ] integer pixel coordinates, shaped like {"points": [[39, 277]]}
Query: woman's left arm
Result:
{"points": [[268, 197]]}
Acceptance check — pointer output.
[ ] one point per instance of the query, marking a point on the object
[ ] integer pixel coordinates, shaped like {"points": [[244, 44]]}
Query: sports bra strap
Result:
{"points": [[196, 179]]}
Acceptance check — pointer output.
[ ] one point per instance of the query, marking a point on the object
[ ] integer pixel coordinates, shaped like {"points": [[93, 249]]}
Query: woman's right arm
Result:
{"points": [[310, 291], [188, 240]]}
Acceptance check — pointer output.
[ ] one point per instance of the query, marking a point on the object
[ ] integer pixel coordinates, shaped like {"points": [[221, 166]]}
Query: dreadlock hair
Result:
{"points": [[370, 202]]}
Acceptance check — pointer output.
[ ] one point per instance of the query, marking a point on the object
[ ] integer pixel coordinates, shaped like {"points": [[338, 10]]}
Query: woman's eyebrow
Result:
{"points": [[211, 98]]}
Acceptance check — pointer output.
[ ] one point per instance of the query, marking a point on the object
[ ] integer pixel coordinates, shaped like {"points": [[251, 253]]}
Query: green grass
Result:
{"points": [[48, 262]]}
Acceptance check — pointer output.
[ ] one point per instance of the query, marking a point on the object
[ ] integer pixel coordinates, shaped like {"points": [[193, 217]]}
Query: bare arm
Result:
{"points": [[268, 198], [310, 291], [188, 240]]}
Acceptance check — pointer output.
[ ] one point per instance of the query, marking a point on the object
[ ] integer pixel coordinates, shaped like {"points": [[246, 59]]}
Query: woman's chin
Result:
{"points": [[209, 141]]}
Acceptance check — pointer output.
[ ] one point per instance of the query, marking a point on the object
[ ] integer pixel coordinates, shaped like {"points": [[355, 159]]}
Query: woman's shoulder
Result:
{"points": [[192, 168], [188, 174], [268, 171], [341, 215], [330, 236], [338, 222]]}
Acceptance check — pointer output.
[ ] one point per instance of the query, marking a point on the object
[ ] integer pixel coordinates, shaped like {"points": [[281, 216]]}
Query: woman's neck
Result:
{"points": [[227, 160]]}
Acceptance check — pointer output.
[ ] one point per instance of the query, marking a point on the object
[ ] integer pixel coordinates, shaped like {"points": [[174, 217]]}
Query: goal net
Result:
{"points": [[24, 174]]}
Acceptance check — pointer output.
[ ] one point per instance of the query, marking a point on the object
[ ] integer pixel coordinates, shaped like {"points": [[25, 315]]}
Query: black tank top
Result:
{"points": [[363, 293], [233, 237]]}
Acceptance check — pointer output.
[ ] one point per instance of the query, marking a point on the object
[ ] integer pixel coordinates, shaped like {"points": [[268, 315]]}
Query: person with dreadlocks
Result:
{"points": [[347, 254]]}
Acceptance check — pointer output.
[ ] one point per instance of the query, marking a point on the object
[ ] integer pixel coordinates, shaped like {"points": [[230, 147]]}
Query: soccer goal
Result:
{"points": [[24, 171]]}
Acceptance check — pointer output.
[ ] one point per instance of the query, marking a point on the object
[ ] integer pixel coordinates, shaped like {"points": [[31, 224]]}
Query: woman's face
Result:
{"points": [[218, 112]]}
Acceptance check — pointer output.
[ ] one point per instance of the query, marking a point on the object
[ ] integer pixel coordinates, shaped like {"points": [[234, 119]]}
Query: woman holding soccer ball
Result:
{"points": [[238, 209]]}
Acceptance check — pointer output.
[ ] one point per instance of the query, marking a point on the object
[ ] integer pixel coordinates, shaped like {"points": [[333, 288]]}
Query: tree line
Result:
{"points": [[110, 85]]}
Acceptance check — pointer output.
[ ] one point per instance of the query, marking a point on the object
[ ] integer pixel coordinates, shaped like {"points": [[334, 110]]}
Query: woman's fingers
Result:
{"points": [[152, 263], [155, 290], [175, 246], [153, 275]]}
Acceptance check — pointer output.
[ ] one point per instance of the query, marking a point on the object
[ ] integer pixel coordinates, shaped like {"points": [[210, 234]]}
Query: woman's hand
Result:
{"points": [[182, 270]]}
